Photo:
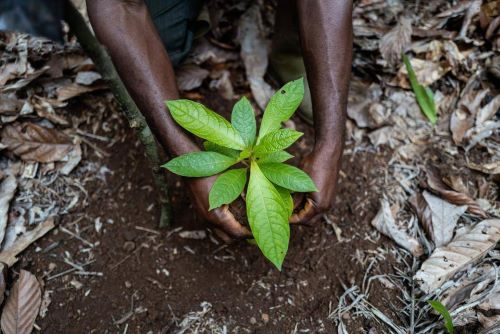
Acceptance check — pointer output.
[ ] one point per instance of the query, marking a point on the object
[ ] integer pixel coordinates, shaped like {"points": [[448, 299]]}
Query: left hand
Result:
{"points": [[323, 168]]}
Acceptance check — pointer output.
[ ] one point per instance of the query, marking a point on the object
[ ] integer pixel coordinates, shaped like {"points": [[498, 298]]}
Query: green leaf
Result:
{"points": [[204, 123], [424, 95], [199, 164], [279, 156], [209, 146], [441, 309], [288, 177], [276, 141], [281, 106], [268, 217], [227, 187], [243, 120], [287, 199]]}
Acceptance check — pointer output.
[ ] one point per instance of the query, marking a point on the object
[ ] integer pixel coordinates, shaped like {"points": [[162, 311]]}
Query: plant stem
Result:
{"points": [[136, 120]]}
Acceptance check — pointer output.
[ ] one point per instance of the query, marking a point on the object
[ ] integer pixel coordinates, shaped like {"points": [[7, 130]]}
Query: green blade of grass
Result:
{"points": [[441, 309], [424, 95]]}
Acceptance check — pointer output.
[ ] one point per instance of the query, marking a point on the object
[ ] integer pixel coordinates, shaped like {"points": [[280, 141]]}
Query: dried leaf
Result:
{"points": [[223, 85], [384, 222], [492, 302], [3, 284], [21, 309], [394, 42], [453, 55], [460, 121], [9, 256], [363, 106], [190, 77], [7, 189], [437, 186], [254, 52], [87, 78], [25, 81], [463, 250], [489, 322], [488, 111], [204, 51], [444, 217], [8, 71], [468, 286], [32, 142], [10, 105], [45, 109], [73, 90], [473, 8], [427, 72], [487, 168], [71, 160]]}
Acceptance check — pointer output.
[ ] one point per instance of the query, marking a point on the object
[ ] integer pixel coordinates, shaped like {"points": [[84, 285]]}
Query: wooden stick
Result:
{"points": [[104, 64]]}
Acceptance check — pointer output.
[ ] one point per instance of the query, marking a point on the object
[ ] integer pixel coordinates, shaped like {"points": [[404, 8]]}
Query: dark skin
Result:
{"points": [[143, 64]]}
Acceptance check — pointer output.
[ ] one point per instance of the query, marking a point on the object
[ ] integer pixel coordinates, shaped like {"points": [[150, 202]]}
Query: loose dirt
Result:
{"points": [[152, 278]]}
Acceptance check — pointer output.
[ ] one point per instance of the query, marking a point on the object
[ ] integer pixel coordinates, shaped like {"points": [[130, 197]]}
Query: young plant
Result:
{"points": [[441, 309], [425, 97], [268, 197]]}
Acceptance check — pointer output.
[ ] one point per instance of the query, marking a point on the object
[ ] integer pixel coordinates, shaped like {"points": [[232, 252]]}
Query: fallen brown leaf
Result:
{"points": [[190, 76], [394, 43], [73, 90], [21, 309], [87, 78], [487, 168], [10, 105], [45, 109], [385, 223], [7, 189], [3, 284], [33, 142], [460, 121], [254, 53], [7, 72], [435, 184], [488, 111], [464, 249], [26, 80], [438, 217], [427, 73]]}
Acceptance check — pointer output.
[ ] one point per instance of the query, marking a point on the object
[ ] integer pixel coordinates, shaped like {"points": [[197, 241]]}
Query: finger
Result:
{"points": [[298, 199], [224, 219], [223, 235], [306, 214]]}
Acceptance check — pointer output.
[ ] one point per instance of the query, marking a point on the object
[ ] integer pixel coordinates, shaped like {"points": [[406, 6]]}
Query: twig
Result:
{"points": [[65, 230], [136, 120], [145, 229]]}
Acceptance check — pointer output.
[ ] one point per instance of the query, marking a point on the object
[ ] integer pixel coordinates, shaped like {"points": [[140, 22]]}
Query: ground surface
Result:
{"points": [[162, 276], [107, 268]]}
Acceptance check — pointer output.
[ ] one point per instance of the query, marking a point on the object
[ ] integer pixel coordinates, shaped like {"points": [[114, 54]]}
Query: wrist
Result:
{"points": [[330, 148]]}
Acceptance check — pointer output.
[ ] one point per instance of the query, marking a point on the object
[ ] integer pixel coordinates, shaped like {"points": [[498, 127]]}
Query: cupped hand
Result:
{"points": [[323, 168], [221, 217]]}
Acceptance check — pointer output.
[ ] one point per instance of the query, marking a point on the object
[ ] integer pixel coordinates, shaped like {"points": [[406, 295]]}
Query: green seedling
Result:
{"points": [[441, 309], [425, 97], [268, 197]]}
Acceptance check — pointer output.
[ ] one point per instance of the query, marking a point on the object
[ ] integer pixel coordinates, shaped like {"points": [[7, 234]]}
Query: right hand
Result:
{"points": [[221, 217]]}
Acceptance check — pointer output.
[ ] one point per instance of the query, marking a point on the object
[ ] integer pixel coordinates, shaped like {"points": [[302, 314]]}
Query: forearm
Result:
{"points": [[125, 28], [326, 38]]}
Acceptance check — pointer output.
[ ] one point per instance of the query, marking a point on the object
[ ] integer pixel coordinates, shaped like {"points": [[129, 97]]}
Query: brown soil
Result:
{"points": [[163, 276]]}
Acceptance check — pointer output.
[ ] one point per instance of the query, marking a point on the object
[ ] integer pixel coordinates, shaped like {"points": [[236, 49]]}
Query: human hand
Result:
{"points": [[221, 217], [322, 166]]}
